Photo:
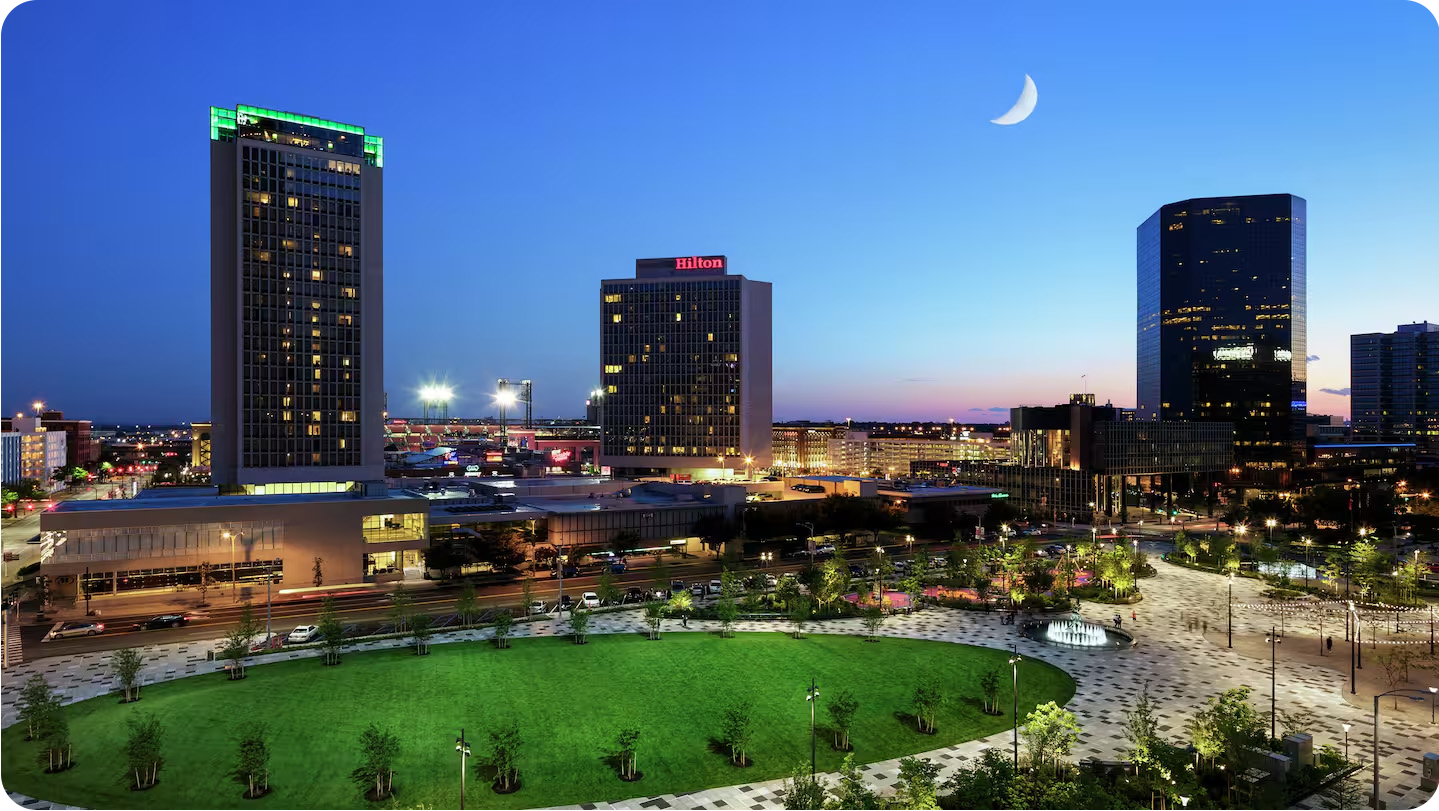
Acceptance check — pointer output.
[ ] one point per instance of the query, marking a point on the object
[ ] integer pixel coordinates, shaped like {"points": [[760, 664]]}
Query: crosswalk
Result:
{"points": [[14, 654]]}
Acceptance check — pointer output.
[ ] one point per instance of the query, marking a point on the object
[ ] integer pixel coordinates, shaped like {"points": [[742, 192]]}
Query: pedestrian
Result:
{"points": [[1206, 626], [1133, 615], [1329, 644]]}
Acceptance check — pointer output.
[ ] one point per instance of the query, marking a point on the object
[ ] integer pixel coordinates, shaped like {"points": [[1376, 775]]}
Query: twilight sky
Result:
{"points": [[926, 263]]}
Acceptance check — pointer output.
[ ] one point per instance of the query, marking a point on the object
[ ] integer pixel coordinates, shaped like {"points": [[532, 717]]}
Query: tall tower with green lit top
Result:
{"points": [[296, 297]]}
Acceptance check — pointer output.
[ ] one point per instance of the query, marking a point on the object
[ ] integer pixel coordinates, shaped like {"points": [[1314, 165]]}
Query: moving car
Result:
{"points": [[304, 633], [590, 599], [76, 628], [570, 570], [163, 621]]}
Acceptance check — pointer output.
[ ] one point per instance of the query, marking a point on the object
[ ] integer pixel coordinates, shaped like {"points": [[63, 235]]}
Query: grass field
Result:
{"points": [[569, 701]]}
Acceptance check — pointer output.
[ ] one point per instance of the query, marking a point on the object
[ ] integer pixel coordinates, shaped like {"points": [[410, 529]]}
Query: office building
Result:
{"points": [[1394, 385], [804, 447], [81, 450], [10, 444], [42, 451], [686, 372], [1221, 323], [296, 295]]}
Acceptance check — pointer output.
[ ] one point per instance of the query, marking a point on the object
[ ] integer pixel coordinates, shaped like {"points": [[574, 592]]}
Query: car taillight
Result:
{"points": [[100, 627]]}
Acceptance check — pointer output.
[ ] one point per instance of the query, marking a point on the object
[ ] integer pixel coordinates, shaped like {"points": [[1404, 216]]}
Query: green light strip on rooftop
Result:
{"points": [[299, 119]]}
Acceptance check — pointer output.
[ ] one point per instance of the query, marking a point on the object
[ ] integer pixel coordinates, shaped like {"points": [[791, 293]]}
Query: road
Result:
{"points": [[15, 532]]}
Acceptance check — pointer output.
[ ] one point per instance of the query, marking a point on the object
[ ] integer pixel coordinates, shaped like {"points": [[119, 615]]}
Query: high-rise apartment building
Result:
{"points": [[1394, 385], [296, 291], [686, 370], [1221, 326]]}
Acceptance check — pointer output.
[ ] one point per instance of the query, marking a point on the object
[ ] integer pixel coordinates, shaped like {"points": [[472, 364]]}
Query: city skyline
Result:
{"points": [[892, 217]]}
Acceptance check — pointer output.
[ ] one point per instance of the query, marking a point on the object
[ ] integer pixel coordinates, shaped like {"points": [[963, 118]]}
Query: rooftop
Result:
{"points": [[189, 502]]}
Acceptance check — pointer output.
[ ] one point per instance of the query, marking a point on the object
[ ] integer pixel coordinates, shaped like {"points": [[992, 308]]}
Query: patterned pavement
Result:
{"points": [[1181, 666]]}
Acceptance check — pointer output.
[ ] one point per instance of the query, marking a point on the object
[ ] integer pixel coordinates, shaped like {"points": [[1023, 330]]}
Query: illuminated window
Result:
{"points": [[677, 316], [347, 416], [315, 360], [612, 369], [317, 276], [712, 336], [313, 430], [286, 415], [284, 401], [612, 388], [317, 374], [348, 292], [342, 444], [612, 298], [345, 321], [615, 319], [315, 415]]}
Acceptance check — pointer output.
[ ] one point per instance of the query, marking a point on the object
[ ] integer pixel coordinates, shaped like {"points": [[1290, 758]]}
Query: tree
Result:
{"points": [[142, 750], [332, 633], [504, 622], [654, 617], [913, 585], [505, 744], [680, 603], [1343, 794], [206, 580], [737, 730], [853, 791], [954, 567], [376, 772], [1395, 665], [833, 581], [236, 647], [126, 663], [1141, 727], [527, 592], [873, 617], [421, 629], [252, 759], [842, 706], [579, 624], [787, 592], [1049, 734], [52, 729], [1186, 545], [917, 787], [989, 686], [1227, 727], [799, 616], [466, 606], [319, 572], [35, 702], [928, 698], [624, 541], [727, 612], [609, 593], [400, 601], [803, 790], [628, 742]]}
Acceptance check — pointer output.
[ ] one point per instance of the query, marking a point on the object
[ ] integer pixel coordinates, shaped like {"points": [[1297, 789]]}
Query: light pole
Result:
{"points": [[1273, 641], [506, 398], [1347, 727], [1269, 523], [1374, 799], [748, 460], [1014, 667], [1231, 609], [1308, 544], [810, 540], [878, 574], [813, 698], [463, 747], [233, 595], [1351, 618]]}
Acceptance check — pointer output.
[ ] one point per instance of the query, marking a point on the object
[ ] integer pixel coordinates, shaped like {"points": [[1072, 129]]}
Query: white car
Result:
{"points": [[715, 587], [304, 633], [537, 607], [590, 599], [771, 581]]}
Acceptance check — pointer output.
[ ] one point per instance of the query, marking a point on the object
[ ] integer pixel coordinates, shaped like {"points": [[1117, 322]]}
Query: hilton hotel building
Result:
{"points": [[297, 331], [685, 350]]}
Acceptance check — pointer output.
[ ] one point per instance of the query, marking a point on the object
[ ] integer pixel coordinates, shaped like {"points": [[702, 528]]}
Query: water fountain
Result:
{"points": [[1076, 633]]}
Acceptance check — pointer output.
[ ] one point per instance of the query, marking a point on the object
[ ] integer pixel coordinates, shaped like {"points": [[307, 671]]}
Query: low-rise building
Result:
{"points": [[42, 451]]}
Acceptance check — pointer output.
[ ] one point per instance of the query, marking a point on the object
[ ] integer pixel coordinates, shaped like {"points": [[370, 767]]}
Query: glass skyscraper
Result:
{"points": [[1221, 323], [1394, 385], [296, 274]]}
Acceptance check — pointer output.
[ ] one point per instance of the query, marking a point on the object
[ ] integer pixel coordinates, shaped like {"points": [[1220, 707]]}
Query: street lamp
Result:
{"points": [[813, 698], [1273, 640], [226, 534], [748, 460], [1308, 544], [1014, 666], [1374, 799], [1270, 522], [1347, 727], [463, 747], [1231, 609], [810, 539], [879, 573], [505, 397]]}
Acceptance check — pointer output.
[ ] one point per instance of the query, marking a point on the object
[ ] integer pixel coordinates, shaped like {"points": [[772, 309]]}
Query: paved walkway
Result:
{"points": [[1182, 667]]}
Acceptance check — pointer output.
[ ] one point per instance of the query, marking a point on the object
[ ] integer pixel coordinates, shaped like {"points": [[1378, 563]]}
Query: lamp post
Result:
{"points": [[1351, 618], [748, 460], [1014, 666], [720, 459], [233, 595], [1374, 798], [1347, 727], [810, 540], [1308, 544], [463, 747], [878, 574], [813, 698], [1273, 641], [1231, 609], [1269, 523]]}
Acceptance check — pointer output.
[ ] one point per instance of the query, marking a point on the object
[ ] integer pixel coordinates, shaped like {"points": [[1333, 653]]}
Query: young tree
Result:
{"points": [[1344, 794], [421, 629], [504, 623], [52, 729], [918, 783], [206, 580], [928, 698], [35, 702], [954, 566], [913, 586], [580, 624], [319, 572], [799, 616], [1049, 734], [737, 730], [628, 742], [609, 593], [727, 612], [252, 759], [873, 617], [376, 772], [680, 603], [236, 647], [842, 706], [989, 686], [332, 633], [1141, 727], [654, 617], [527, 592], [802, 790], [787, 592], [126, 663], [833, 581], [400, 602], [504, 756], [142, 750], [854, 791], [1227, 727]]}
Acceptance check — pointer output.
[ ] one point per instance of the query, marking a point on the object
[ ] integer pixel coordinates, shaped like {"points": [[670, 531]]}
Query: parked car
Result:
{"points": [[162, 621], [590, 599], [901, 565], [826, 548], [634, 595], [676, 585], [566, 602], [715, 586], [855, 570], [569, 571], [304, 633], [658, 593], [76, 628], [537, 607], [938, 563], [697, 590], [798, 554], [771, 581]]}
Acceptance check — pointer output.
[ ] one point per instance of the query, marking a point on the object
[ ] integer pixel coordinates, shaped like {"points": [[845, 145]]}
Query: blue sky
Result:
{"points": [[926, 263]]}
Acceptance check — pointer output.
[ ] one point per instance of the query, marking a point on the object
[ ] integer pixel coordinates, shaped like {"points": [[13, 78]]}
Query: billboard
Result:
{"points": [[681, 265]]}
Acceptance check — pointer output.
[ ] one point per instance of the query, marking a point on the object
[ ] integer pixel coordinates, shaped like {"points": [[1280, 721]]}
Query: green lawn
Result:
{"points": [[569, 700]]}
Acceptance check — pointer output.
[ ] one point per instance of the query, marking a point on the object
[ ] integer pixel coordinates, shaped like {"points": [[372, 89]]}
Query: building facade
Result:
{"points": [[41, 451], [10, 469], [858, 453], [1394, 385], [804, 447], [296, 286], [1221, 323], [686, 369]]}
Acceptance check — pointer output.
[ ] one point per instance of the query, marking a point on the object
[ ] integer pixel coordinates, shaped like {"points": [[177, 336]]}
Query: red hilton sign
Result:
{"points": [[699, 263]]}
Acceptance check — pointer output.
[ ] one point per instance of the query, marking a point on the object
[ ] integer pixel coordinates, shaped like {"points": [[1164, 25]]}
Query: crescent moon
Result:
{"points": [[1028, 97]]}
